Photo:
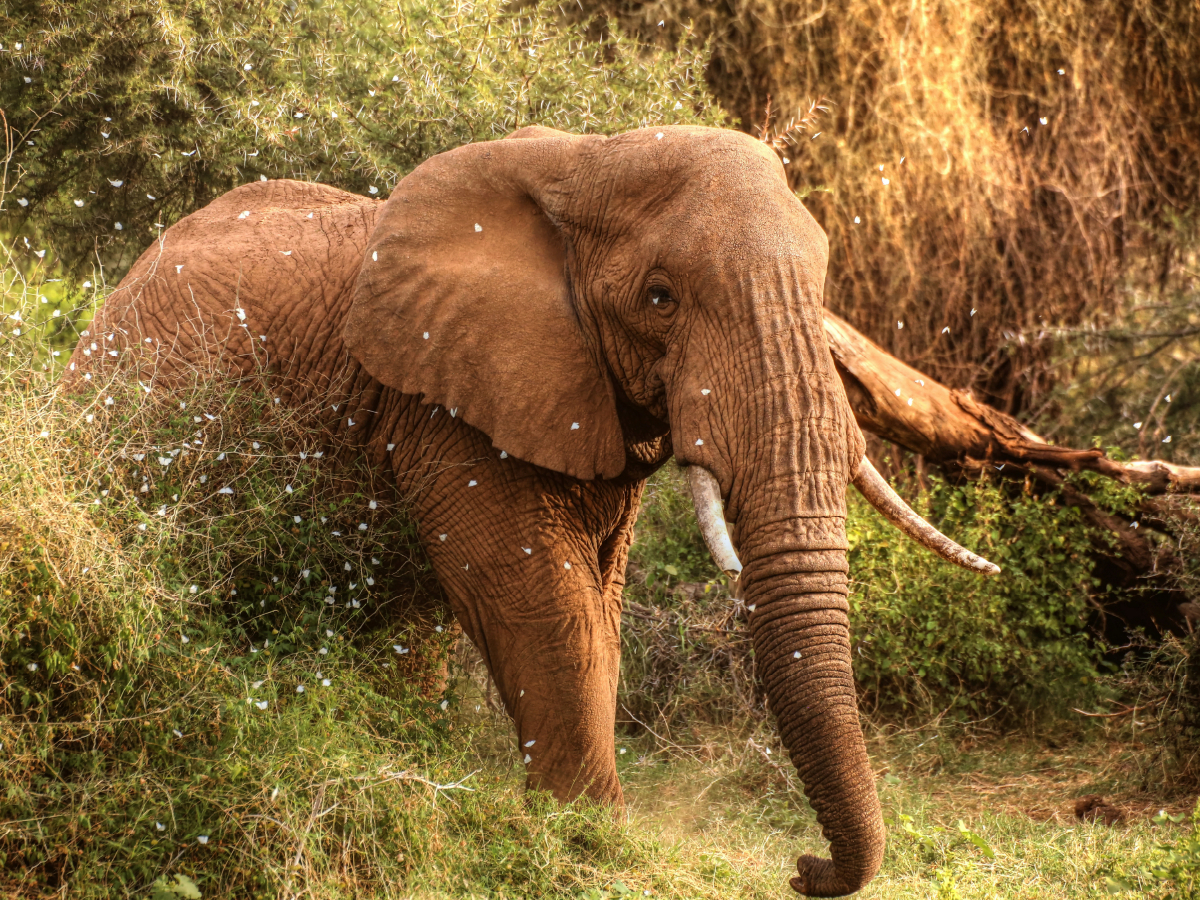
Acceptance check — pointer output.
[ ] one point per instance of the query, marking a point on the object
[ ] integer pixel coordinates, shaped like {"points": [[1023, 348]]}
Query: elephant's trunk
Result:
{"points": [[781, 452], [795, 586], [802, 652]]}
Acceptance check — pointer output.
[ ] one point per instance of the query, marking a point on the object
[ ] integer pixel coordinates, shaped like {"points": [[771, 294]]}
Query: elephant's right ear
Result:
{"points": [[465, 297]]}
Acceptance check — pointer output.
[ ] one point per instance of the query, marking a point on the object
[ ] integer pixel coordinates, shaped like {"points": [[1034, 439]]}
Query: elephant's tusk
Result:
{"points": [[881, 496], [710, 513]]}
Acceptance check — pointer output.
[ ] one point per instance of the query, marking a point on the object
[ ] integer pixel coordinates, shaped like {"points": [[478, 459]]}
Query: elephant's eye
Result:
{"points": [[662, 301]]}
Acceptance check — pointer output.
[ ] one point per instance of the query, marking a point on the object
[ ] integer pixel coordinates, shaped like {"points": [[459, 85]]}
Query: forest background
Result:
{"points": [[1010, 190]]}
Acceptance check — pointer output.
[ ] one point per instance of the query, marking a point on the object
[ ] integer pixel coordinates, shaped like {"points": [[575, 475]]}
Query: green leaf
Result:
{"points": [[1117, 885], [976, 840], [183, 886]]}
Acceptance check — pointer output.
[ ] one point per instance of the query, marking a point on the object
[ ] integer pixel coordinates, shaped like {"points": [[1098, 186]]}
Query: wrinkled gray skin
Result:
{"points": [[503, 299]]}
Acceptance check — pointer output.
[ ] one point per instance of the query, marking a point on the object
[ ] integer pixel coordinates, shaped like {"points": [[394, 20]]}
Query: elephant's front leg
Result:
{"points": [[557, 670], [528, 561]]}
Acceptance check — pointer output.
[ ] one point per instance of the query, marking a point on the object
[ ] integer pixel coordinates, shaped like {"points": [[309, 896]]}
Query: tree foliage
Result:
{"points": [[125, 115]]}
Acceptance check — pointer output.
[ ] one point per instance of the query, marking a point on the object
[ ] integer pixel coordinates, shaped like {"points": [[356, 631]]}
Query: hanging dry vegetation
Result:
{"points": [[988, 168]]}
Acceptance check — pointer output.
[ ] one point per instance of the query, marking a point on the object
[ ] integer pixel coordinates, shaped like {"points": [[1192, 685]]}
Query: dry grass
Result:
{"points": [[1006, 157]]}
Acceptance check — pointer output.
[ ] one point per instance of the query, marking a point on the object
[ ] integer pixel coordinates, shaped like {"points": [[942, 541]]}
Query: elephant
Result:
{"points": [[520, 335]]}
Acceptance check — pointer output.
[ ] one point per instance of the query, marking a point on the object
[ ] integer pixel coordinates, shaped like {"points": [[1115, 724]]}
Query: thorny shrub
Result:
{"points": [[1132, 378], [126, 115], [685, 655]]}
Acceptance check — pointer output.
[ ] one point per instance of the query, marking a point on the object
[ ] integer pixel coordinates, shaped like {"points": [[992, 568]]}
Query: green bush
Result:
{"points": [[201, 693], [189, 615], [927, 635]]}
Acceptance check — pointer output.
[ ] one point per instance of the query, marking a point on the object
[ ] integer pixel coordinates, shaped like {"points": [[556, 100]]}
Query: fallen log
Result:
{"points": [[900, 404], [896, 402]]}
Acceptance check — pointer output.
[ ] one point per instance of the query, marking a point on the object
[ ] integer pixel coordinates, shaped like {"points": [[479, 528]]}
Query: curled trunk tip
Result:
{"points": [[820, 877], [881, 496]]}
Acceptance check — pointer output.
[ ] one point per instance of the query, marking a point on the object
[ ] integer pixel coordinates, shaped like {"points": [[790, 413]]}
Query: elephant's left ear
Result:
{"points": [[465, 297]]}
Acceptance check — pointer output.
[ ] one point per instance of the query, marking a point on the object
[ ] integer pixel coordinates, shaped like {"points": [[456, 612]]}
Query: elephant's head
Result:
{"points": [[555, 288]]}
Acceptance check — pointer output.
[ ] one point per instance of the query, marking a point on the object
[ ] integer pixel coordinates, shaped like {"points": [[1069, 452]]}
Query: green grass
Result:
{"points": [[732, 812], [1013, 796]]}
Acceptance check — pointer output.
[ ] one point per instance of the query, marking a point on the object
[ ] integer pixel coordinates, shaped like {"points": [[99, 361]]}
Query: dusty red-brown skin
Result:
{"points": [[533, 266]]}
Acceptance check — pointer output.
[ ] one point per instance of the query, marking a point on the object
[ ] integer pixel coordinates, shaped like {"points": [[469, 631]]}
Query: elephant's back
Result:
{"points": [[263, 274], [261, 207]]}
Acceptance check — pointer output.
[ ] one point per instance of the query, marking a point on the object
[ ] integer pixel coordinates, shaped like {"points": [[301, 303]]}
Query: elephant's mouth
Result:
{"points": [[710, 513]]}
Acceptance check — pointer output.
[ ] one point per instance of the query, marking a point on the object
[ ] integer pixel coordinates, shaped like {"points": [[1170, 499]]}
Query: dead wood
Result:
{"points": [[900, 404]]}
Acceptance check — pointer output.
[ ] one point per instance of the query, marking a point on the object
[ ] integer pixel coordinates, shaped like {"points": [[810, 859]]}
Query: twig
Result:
{"points": [[1121, 712], [666, 741], [437, 788], [653, 614], [783, 138], [762, 131]]}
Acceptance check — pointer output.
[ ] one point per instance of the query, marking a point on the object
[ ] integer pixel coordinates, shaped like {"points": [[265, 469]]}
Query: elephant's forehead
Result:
{"points": [[712, 193], [694, 141], [772, 245], [688, 159]]}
